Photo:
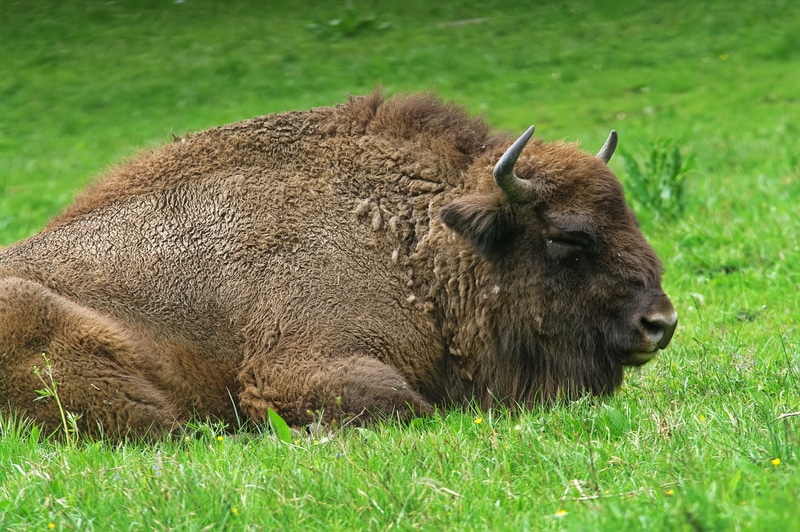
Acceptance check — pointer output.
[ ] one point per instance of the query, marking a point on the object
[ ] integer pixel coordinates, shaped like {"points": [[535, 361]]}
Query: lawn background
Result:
{"points": [[696, 440]]}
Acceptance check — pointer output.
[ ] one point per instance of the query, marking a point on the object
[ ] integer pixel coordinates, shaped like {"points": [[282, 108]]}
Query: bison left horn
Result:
{"points": [[518, 190], [608, 148]]}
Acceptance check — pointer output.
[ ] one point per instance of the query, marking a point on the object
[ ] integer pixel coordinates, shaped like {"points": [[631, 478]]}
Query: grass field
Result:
{"points": [[703, 438]]}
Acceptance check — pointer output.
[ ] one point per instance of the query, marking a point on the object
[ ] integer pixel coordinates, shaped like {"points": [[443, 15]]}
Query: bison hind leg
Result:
{"points": [[89, 362], [354, 390]]}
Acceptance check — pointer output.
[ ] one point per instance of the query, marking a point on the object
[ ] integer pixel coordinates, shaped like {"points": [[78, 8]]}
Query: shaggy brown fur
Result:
{"points": [[356, 260]]}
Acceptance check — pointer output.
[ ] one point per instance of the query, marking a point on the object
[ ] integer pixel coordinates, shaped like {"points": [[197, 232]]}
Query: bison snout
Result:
{"points": [[658, 325], [650, 329], [659, 329]]}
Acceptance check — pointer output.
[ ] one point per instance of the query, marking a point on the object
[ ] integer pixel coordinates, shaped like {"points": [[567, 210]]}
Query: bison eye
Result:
{"points": [[564, 244]]}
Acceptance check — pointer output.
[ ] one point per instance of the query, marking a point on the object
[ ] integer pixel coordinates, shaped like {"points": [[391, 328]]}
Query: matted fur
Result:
{"points": [[345, 261]]}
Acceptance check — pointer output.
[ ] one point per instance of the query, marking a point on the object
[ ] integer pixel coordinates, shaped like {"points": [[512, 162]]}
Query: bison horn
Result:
{"points": [[518, 190], [608, 148]]}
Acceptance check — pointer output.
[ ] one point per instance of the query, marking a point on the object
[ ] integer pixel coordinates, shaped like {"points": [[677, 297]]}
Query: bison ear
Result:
{"points": [[484, 220]]}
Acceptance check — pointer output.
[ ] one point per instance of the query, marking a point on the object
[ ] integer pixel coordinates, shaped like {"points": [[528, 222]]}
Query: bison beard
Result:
{"points": [[351, 262]]}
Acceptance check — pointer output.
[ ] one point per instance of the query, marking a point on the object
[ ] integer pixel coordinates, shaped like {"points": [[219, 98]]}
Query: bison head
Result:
{"points": [[577, 288]]}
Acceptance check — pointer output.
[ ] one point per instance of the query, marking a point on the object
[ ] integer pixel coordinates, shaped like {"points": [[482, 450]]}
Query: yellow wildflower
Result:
{"points": [[776, 462], [561, 513], [478, 420], [219, 438], [669, 493], [235, 510], [51, 526]]}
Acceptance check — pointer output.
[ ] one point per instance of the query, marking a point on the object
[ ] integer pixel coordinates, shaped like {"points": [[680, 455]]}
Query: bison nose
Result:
{"points": [[658, 327]]}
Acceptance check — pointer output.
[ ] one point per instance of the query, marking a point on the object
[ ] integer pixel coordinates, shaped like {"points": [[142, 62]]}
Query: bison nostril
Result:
{"points": [[659, 328]]}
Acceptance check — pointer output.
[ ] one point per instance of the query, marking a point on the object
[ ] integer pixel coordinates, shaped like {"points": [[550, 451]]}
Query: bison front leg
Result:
{"points": [[302, 389], [88, 357]]}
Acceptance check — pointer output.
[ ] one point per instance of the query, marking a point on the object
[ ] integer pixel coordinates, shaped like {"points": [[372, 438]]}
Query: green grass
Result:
{"points": [[689, 441]]}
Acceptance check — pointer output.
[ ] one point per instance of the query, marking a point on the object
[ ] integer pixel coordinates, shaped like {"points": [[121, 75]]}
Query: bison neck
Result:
{"points": [[522, 369], [496, 353]]}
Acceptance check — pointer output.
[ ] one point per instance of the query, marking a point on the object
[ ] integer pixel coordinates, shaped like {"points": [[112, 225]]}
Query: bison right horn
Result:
{"points": [[518, 190], [608, 148]]}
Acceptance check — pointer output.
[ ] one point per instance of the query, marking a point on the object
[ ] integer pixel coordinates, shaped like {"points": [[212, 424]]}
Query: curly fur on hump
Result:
{"points": [[442, 131], [348, 261]]}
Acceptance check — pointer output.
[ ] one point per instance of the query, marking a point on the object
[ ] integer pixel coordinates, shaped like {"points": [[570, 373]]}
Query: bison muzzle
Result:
{"points": [[373, 259]]}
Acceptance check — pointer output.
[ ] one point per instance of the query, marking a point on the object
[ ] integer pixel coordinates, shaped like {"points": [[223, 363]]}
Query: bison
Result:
{"points": [[378, 258]]}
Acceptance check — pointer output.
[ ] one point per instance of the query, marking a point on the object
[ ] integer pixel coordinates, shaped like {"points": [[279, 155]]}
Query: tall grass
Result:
{"points": [[703, 438]]}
